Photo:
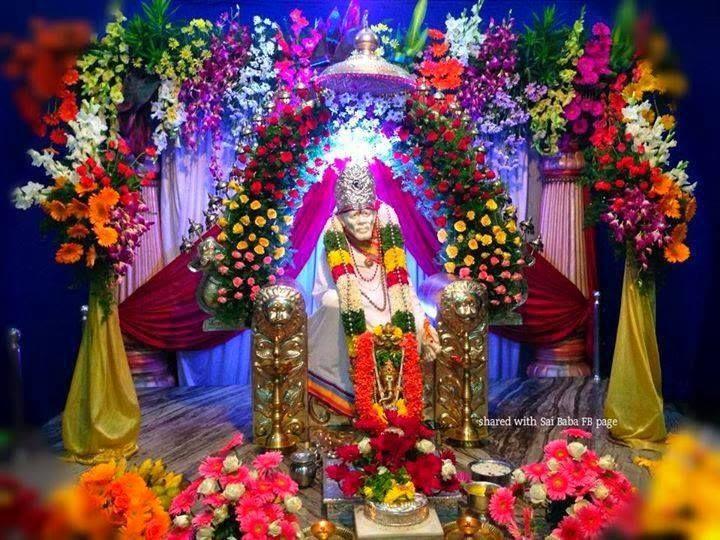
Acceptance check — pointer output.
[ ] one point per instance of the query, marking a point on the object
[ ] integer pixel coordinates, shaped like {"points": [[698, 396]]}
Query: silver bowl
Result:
{"points": [[496, 471]]}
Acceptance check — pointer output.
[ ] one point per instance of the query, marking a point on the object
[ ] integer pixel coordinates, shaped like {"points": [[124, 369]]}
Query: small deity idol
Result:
{"points": [[363, 292]]}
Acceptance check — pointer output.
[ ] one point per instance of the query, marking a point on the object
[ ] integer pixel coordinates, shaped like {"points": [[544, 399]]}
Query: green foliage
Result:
{"points": [[623, 42], [415, 37], [382, 482], [540, 48], [149, 34]]}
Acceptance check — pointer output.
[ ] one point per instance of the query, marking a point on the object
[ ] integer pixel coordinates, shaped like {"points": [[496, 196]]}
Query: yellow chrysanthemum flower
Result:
{"points": [[233, 205], [491, 204], [500, 237], [278, 253], [486, 239], [485, 221], [338, 257], [394, 258], [449, 267], [470, 215], [255, 205], [271, 213], [259, 249], [469, 260], [222, 236], [511, 226], [472, 244], [244, 198], [242, 245], [260, 221], [222, 221], [252, 237], [460, 226], [238, 228], [245, 220], [264, 242], [452, 251]]}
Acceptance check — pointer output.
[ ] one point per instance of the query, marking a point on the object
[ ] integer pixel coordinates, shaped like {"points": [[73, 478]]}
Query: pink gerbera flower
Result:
{"points": [[557, 449], [215, 500], [502, 506], [233, 443], [283, 485], [254, 524], [577, 433], [211, 467], [238, 477], [535, 471], [267, 461], [247, 505], [288, 528], [591, 520], [558, 485], [202, 520], [261, 489], [185, 499], [181, 534], [580, 476], [569, 529]]}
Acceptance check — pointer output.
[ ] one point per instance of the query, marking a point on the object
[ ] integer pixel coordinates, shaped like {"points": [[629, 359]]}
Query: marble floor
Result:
{"points": [[184, 424]]}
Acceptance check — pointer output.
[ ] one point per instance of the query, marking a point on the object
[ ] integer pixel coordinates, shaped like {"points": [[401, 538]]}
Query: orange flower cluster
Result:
{"points": [[441, 71], [107, 503]]}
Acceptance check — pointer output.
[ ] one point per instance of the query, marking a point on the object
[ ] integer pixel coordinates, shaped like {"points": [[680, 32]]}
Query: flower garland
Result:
{"points": [[360, 341], [232, 500], [470, 207], [263, 198]]}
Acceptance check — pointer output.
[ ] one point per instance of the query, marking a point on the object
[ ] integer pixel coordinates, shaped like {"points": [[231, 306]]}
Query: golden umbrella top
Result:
{"points": [[365, 71]]}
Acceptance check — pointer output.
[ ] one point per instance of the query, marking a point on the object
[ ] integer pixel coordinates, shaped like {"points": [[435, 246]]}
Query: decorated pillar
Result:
{"points": [[562, 230]]}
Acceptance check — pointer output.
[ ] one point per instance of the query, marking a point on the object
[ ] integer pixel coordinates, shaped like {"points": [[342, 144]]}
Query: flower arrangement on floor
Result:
{"points": [[581, 494], [107, 502], [233, 500], [164, 483], [645, 200], [394, 463]]}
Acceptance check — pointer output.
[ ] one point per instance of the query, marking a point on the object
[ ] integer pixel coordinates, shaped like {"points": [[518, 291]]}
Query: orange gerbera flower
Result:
{"points": [[78, 209], [662, 185], [107, 236], [57, 210], [434, 33], [90, 257], [109, 196], [690, 208], [438, 50], [69, 253], [99, 211], [78, 231], [676, 251]]}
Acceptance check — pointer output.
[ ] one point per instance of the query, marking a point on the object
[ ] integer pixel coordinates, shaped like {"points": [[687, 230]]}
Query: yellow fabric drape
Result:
{"points": [[101, 420], [634, 396]]}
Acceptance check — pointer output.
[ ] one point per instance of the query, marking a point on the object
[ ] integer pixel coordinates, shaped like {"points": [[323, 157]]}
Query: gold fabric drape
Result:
{"points": [[101, 420], [634, 396]]}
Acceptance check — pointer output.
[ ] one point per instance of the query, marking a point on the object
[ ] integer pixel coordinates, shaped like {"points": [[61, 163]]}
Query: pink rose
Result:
{"points": [[223, 269], [236, 254], [267, 260], [221, 300], [237, 281], [239, 265], [238, 295], [464, 272], [251, 281]]}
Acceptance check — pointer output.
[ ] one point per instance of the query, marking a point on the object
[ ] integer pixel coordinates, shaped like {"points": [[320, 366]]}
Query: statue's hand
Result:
{"points": [[430, 343]]}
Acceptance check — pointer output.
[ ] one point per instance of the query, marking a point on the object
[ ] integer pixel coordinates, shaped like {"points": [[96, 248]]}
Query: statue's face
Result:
{"points": [[359, 223], [279, 310], [466, 306]]}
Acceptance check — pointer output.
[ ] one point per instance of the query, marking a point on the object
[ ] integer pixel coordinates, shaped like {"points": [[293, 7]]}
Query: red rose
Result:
{"points": [[151, 151], [352, 483], [432, 136], [490, 174], [337, 472], [425, 473], [480, 158], [602, 185], [58, 136], [348, 452], [449, 136], [403, 134], [255, 187], [441, 221]]}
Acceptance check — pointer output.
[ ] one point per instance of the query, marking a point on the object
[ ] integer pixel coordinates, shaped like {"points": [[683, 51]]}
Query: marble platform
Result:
{"points": [[183, 425]]}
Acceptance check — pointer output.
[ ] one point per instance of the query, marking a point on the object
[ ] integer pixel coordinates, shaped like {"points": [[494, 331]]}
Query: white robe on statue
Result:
{"points": [[328, 356]]}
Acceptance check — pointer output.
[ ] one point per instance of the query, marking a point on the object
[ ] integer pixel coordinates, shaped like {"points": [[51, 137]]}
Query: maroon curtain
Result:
{"points": [[164, 313], [555, 307]]}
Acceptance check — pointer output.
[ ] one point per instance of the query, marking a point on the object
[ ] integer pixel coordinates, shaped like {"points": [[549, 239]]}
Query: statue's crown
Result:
{"points": [[355, 189]]}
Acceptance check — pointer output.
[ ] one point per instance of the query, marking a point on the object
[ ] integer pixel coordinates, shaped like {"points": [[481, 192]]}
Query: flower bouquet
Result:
{"points": [[395, 463], [581, 494], [93, 203], [232, 500], [106, 502]]}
